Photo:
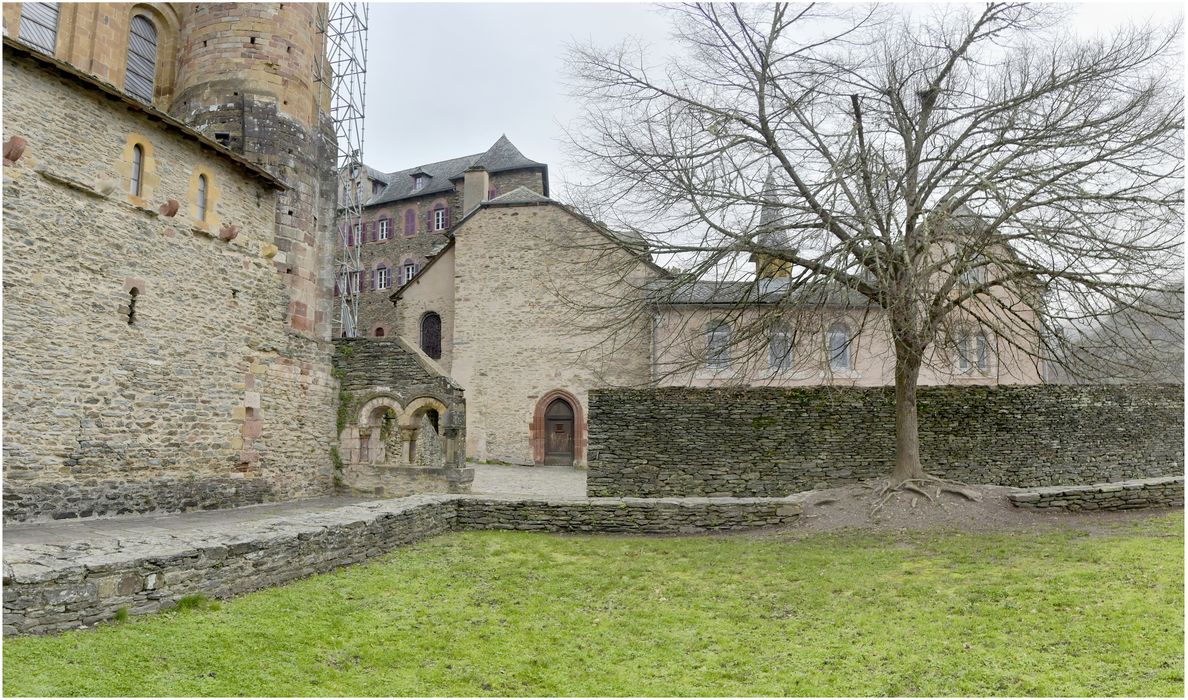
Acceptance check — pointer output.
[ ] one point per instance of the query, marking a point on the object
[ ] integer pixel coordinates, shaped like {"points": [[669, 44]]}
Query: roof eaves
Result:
{"points": [[149, 111]]}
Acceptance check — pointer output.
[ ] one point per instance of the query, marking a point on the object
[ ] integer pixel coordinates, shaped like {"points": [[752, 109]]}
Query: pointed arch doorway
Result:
{"points": [[558, 431]]}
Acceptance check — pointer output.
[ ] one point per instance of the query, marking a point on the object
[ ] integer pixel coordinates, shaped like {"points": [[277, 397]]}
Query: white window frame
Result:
{"points": [[782, 362], [385, 229], [717, 346], [439, 219], [418, 183], [383, 277], [969, 347], [410, 269], [134, 185]]}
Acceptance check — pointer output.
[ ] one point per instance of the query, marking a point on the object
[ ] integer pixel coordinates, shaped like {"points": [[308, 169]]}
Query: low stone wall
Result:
{"points": [[1121, 495], [51, 588], [773, 442], [82, 499], [627, 515]]}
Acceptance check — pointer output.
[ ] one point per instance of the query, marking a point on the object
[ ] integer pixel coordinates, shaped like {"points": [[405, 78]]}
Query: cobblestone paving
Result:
{"points": [[544, 482]]}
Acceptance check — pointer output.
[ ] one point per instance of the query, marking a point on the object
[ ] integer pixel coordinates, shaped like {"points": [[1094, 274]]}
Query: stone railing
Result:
{"points": [[1119, 495]]}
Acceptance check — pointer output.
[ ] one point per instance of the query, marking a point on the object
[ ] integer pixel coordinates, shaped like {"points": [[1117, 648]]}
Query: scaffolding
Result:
{"points": [[342, 69]]}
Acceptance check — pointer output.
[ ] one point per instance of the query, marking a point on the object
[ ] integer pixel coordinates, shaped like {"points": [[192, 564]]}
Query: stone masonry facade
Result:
{"points": [[774, 442], [417, 247], [1167, 491], [54, 588], [149, 363]]}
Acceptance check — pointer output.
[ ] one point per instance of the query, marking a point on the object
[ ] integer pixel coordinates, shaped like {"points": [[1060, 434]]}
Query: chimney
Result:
{"points": [[475, 186]]}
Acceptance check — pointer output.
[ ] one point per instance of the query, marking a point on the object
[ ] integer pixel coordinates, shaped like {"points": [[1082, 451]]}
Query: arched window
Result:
{"points": [[717, 345], [431, 335], [39, 25], [201, 208], [379, 331], [837, 347], [779, 349], [142, 59], [137, 170]]}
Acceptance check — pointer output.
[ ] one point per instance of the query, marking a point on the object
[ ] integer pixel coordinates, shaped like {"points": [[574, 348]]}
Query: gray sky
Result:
{"points": [[445, 80]]}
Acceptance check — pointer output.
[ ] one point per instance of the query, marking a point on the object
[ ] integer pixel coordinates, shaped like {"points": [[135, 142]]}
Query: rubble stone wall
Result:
{"points": [[148, 363]]}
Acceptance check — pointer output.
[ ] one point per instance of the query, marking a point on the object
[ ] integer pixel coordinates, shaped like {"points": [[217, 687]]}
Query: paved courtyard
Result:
{"points": [[544, 482]]}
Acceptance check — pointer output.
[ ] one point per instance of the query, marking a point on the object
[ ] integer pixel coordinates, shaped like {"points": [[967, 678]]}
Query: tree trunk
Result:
{"points": [[907, 433]]}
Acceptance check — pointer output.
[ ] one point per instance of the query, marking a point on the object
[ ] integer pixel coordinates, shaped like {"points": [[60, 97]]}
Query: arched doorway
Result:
{"points": [[559, 433]]}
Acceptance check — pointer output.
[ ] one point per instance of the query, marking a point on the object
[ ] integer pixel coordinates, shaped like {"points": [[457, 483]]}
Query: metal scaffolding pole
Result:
{"points": [[342, 66]]}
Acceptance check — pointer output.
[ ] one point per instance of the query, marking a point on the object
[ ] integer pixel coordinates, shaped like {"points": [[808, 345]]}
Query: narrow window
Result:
{"points": [[410, 222], [201, 198], [418, 183], [142, 59], [838, 347], [354, 283], [717, 340], [379, 332], [779, 350], [356, 233], [439, 219], [410, 269], [383, 277], [385, 229], [431, 335], [137, 170], [39, 25]]}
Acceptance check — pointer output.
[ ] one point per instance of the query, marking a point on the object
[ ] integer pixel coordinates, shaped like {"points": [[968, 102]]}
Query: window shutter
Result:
{"points": [[371, 280], [429, 220], [446, 215], [373, 228], [410, 222]]}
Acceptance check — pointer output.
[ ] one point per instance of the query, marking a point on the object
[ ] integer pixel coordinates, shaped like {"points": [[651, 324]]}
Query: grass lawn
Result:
{"points": [[490, 613]]}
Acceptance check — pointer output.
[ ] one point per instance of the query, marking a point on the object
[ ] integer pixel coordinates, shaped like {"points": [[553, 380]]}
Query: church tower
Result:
{"points": [[770, 237], [247, 78]]}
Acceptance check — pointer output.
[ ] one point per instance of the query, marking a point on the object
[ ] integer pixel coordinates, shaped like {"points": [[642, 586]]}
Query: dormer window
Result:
{"points": [[419, 182]]}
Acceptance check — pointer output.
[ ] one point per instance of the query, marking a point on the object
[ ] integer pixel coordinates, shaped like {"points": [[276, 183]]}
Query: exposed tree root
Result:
{"points": [[887, 491]]}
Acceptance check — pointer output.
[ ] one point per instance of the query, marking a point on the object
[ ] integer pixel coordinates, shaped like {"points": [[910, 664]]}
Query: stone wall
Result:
{"points": [[773, 442], [149, 365], [50, 588], [1120, 495]]}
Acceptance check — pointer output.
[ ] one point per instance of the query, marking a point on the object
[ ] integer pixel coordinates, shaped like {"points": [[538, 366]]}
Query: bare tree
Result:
{"points": [[922, 169]]}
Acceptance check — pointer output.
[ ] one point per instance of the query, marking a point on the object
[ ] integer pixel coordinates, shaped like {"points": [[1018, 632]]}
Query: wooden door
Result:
{"points": [[559, 433]]}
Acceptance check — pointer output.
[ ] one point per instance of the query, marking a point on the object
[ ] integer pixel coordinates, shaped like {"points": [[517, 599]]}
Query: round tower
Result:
{"points": [[246, 77]]}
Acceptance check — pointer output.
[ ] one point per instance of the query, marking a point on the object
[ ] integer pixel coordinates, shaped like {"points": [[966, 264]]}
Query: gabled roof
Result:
{"points": [[632, 242], [502, 156]]}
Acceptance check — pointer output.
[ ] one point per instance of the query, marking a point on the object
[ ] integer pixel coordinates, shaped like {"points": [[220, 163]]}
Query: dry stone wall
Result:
{"points": [[773, 442], [1121, 495]]}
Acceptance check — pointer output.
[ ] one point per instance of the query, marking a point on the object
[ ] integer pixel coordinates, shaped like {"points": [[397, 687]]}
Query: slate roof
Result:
{"points": [[502, 156], [761, 291]]}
